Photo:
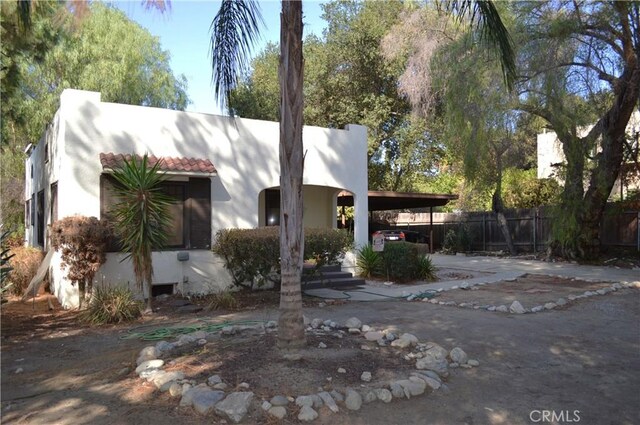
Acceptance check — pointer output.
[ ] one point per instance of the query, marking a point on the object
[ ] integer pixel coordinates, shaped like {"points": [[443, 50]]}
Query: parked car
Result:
{"points": [[390, 235], [402, 235]]}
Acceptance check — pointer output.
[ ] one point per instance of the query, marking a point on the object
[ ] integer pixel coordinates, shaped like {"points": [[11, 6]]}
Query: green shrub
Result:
{"points": [[24, 264], [252, 256], [326, 246], [224, 300], [111, 304], [457, 240], [369, 262], [425, 268], [400, 261]]}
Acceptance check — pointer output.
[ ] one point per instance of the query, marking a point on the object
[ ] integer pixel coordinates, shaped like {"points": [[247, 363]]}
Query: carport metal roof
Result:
{"points": [[383, 201]]}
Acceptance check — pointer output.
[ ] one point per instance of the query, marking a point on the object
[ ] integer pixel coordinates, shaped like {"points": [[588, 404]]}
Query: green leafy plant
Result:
{"points": [[225, 300], [450, 242], [369, 262], [82, 242], [252, 256], [400, 261], [425, 268], [142, 215], [111, 304]]}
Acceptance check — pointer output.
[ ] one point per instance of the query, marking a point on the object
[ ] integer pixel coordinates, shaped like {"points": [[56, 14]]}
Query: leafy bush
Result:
{"points": [[457, 240], [400, 261], [24, 263], [111, 304], [82, 242], [224, 300], [425, 268], [326, 246], [252, 256], [369, 262]]}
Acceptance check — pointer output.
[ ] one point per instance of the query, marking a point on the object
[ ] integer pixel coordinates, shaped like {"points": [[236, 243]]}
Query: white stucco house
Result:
{"points": [[550, 155], [225, 170]]}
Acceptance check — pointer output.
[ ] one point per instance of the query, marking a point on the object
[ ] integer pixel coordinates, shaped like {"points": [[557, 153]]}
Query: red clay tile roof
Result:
{"points": [[193, 165]]}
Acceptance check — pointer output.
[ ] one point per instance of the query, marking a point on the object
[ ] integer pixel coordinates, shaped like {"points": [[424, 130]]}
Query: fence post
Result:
{"points": [[484, 232], [535, 226]]}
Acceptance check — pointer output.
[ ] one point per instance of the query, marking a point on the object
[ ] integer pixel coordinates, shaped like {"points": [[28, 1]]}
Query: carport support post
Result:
{"points": [[431, 230]]}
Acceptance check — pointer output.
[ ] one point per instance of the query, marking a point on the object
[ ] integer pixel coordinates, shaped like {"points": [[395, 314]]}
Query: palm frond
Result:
{"points": [[234, 30], [484, 15]]}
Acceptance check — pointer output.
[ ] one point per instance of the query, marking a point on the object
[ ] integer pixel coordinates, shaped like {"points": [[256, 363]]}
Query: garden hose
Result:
{"points": [[422, 295], [162, 333]]}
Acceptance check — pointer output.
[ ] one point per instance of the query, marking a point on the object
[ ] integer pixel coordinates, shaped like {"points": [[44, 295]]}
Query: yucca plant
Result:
{"points": [[111, 304], [425, 268], [369, 262], [142, 215]]}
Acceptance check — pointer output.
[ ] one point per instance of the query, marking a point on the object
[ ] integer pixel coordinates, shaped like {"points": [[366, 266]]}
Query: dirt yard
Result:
{"points": [[530, 290], [586, 358]]}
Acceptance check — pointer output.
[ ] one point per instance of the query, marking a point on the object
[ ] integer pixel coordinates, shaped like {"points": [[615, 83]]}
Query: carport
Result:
{"points": [[387, 201]]}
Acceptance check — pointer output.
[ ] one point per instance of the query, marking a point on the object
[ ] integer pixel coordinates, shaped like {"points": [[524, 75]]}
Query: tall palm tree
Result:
{"points": [[142, 215], [234, 29]]}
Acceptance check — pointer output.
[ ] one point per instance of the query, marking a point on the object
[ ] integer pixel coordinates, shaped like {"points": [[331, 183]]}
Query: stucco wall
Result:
{"points": [[244, 152]]}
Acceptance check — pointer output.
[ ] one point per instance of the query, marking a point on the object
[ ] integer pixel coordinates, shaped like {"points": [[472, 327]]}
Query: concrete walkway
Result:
{"points": [[501, 269]]}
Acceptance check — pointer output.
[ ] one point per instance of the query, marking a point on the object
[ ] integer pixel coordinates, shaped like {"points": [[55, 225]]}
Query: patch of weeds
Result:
{"points": [[225, 300], [111, 304]]}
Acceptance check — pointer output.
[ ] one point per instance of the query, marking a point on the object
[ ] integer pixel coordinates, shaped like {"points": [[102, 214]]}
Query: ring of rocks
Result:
{"points": [[432, 364], [516, 307]]}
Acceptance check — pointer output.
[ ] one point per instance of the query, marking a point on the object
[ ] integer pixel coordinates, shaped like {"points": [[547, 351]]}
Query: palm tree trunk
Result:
{"points": [[290, 325]]}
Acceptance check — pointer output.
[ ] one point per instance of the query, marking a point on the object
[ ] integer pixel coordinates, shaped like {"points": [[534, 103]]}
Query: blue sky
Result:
{"points": [[184, 32]]}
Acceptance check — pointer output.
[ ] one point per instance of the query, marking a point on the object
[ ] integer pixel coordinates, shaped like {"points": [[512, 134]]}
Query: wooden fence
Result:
{"points": [[530, 228]]}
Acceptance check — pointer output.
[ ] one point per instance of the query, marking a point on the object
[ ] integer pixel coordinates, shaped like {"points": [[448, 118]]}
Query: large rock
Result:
{"points": [[278, 412], [304, 400], [353, 399], [213, 380], [353, 322], [235, 405], [410, 337], [149, 365], [398, 390], [383, 394], [369, 396], [516, 308], [163, 347], [202, 399], [502, 309], [162, 380], [401, 343], [366, 376], [373, 335], [147, 353], [316, 323], [279, 400], [435, 359], [307, 414], [329, 401], [412, 387], [458, 355]]}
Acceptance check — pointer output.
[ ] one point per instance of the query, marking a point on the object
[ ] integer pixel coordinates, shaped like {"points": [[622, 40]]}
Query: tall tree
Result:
{"points": [[105, 52], [581, 65], [235, 26]]}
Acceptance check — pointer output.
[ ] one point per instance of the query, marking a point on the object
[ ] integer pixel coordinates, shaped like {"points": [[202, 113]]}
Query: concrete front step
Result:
{"points": [[325, 276], [328, 268], [333, 283]]}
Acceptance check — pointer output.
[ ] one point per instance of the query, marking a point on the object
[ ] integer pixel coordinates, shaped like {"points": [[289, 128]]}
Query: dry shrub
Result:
{"points": [[24, 264], [82, 242], [224, 300], [111, 304]]}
